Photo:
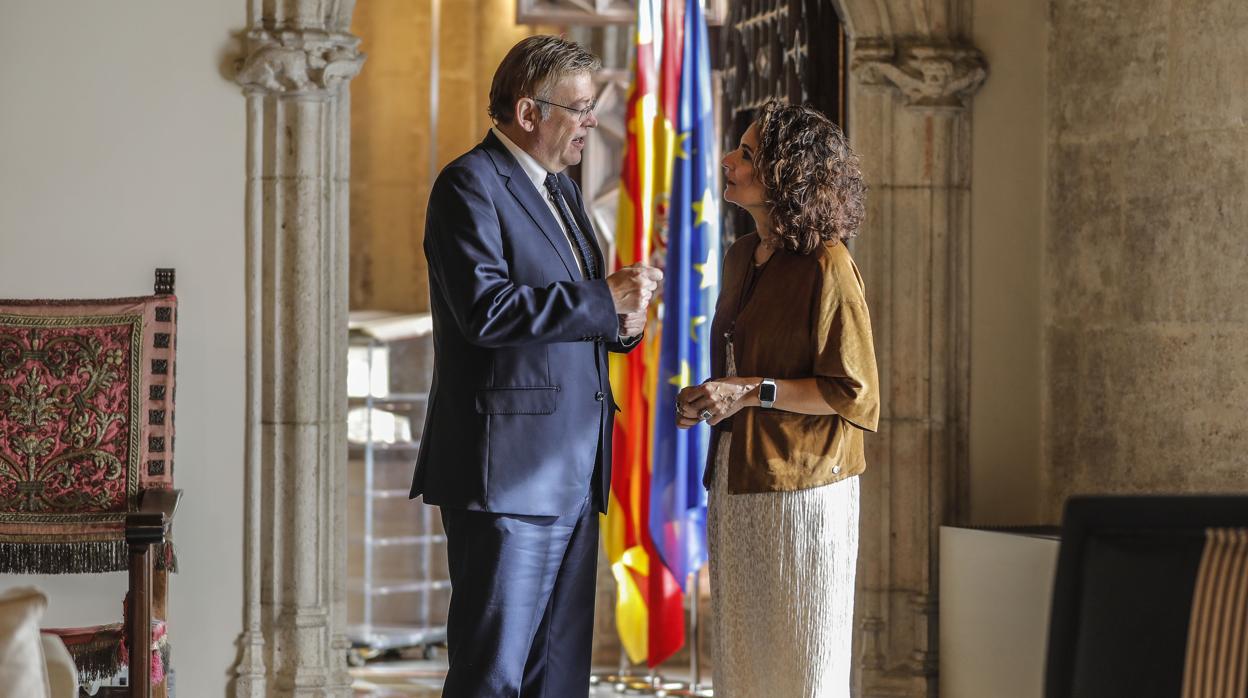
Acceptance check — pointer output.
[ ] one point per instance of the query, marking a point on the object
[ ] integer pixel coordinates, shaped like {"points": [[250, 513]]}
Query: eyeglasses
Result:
{"points": [[583, 113]]}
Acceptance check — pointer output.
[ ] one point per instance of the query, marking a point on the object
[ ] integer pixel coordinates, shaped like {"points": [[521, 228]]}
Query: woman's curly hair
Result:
{"points": [[815, 189]]}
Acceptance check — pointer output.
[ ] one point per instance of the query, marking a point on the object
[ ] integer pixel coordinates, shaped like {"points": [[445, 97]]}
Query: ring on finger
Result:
{"points": [[705, 415]]}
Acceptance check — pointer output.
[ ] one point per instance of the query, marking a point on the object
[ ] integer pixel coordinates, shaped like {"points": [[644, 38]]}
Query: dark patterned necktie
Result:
{"points": [[582, 244]]}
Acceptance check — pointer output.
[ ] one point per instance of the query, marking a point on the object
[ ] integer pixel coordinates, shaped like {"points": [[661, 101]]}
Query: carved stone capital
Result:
{"points": [[298, 62], [928, 75]]}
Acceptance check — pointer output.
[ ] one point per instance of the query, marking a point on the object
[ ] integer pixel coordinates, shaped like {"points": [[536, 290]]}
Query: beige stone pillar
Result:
{"points": [[909, 122], [299, 59]]}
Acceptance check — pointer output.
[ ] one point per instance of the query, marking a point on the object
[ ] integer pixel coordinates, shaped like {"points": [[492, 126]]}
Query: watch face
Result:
{"points": [[767, 392]]}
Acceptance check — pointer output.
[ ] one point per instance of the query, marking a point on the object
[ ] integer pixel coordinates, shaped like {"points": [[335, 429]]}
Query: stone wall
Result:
{"points": [[392, 166], [1146, 259]]}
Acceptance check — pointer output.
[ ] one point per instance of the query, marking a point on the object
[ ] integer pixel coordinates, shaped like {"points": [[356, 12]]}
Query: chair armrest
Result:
{"points": [[160, 501], [150, 524]]}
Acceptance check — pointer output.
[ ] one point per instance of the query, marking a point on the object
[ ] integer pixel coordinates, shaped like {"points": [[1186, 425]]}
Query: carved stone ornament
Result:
{"points": [[298, 62], [929, 76]]}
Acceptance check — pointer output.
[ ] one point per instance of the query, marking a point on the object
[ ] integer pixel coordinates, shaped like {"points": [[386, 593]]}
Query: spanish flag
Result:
{"points": [[649, 611]]}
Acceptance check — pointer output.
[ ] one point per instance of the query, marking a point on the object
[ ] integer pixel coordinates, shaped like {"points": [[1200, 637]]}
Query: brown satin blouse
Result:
{"points": [[805, 317]]}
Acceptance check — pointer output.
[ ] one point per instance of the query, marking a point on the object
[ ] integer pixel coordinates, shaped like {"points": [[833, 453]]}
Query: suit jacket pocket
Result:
{"points": [[522, 400]]}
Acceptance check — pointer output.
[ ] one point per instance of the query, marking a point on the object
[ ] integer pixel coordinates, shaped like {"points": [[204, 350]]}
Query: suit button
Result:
{"points": [[836, 470], [600, 396]]}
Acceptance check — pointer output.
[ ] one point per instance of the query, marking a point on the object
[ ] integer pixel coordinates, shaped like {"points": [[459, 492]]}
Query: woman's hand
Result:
{"points": [[715, 400]]}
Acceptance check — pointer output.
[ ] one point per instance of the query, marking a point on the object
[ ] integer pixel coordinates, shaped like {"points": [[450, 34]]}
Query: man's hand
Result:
{"points": [[632, 288], [632, 324]]}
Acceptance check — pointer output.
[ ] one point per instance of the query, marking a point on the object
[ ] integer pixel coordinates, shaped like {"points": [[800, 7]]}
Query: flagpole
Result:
{"points": [[692, 687], [695, 669]]}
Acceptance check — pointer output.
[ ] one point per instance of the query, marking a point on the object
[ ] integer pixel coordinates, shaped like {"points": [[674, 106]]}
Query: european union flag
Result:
{"points": [[677, 499]]}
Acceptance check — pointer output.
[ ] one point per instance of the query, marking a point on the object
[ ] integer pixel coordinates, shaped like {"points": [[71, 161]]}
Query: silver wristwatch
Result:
{"points": [[767, 393]]}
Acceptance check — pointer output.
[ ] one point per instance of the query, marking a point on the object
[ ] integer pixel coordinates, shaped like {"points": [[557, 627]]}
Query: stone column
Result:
{"points": [[299, 59], [909, 122]]}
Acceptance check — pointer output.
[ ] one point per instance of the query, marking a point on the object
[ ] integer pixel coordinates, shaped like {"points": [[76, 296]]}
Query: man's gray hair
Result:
{"points": [[531, 68]]}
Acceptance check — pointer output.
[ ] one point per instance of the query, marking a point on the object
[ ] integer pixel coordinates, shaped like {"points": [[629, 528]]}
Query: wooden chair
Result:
{"points": [[86, 459]]}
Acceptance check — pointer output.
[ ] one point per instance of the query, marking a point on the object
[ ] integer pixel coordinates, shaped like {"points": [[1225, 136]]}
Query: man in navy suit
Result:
{"points": [[516, 446]]}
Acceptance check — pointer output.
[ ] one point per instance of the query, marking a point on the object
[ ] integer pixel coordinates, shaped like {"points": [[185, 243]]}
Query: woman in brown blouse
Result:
{"points": [[793, 388]]}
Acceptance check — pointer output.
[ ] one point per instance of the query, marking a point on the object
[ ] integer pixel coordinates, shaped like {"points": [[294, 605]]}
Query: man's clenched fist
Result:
{"points": [[632, 288]]}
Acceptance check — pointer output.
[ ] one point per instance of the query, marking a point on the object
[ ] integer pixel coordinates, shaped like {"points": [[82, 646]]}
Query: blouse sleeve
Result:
{"points": [[845, 369]]}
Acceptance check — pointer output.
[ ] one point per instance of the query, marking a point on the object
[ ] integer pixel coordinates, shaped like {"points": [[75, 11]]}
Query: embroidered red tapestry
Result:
{"points": [[86, 424]]}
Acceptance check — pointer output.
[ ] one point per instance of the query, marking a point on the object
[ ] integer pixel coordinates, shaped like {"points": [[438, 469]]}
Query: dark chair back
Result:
{"points": [[1151, 598]]}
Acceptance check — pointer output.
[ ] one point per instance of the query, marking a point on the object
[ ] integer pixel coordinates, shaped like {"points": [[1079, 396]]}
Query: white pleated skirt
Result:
{"points": [[782, 588]]}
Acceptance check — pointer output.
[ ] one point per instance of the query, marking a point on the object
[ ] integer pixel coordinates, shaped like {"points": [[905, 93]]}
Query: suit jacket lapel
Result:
{"points": [[522, 188]]}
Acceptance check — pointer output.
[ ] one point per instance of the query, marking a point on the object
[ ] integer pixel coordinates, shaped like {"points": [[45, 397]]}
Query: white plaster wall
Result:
{"points": [[121, 149], [1007, 224]]}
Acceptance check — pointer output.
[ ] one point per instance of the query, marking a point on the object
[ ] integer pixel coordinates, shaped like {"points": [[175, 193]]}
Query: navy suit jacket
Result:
{"points": [[520, 410]]}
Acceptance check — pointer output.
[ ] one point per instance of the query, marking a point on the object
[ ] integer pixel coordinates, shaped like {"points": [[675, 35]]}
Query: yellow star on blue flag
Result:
{"points": [[694, 324], [681, 380], [709, 270], [682, 139], [706, 208]]}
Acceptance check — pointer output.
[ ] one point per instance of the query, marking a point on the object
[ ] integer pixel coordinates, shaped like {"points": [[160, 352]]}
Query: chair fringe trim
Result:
{"points": [[101, 659], [97, 659], [87, 557]]}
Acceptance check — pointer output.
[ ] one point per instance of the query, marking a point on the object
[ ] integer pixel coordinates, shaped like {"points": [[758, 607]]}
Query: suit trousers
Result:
{"points": [[522, 603]]}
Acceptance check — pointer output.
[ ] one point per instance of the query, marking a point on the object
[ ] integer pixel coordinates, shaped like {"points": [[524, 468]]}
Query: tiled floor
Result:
{"points": [[400, 678], [405, 679]]}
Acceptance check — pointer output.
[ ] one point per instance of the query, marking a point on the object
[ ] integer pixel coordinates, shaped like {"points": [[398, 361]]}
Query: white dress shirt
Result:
{"points": [[537, 175]]}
